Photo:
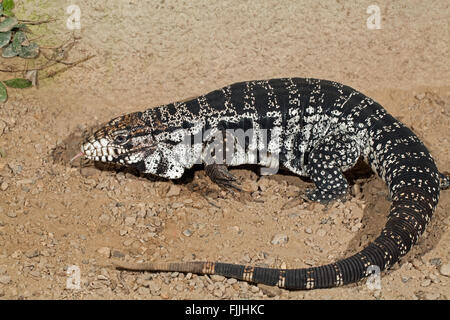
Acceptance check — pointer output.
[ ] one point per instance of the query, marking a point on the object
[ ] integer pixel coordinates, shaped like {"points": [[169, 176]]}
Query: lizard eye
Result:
{"points": [[120, 139]]}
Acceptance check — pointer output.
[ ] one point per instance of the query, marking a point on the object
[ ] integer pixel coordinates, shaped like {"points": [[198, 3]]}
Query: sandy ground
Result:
{"points": [[54, 215]]}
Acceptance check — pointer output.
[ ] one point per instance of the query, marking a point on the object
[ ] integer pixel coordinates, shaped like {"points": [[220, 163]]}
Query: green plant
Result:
{"points": [[14, 42]]}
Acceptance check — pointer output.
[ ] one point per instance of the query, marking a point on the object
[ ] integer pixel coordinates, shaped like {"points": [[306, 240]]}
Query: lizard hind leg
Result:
{"points": [[325, 166]]}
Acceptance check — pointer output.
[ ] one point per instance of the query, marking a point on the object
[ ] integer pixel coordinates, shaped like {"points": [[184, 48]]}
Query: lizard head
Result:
{"points": [[129, 140], [125, 140]]}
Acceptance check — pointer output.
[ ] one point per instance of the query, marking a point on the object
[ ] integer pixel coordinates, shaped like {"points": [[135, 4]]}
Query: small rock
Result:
{"points": [[279, 239], [321, 232], [420, 96], [32, 253], [217, 278], [88, 171], [128, 242], [4, 186], [129, 221], [35, 273], [432, 296], [5, 279], [308, 230], [104, 218], [144, 291], [3, 270], [117, 254], [173, 191], [270, 291], [246, 258], [426, 283], [254, 289], [177, 205], [105, 251], [12, 214], [218, 293], [445, 270], [436, 261], [154, 287], [2, 127], [187, 233]]}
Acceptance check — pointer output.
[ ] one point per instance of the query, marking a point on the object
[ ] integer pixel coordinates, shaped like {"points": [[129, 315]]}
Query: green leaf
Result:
{"points": [[29, 52], [1, 8], [8, 24], [8, 13], [3, 93], [9, 52], [18, 39], [8, 5], [18, 83], [5, 38]]}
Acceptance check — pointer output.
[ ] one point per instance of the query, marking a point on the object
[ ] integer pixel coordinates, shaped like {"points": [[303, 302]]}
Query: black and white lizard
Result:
{"points": [[314, 128]]}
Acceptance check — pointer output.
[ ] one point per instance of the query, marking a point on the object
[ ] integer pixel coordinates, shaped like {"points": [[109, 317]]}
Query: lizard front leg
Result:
{"points": [[325, 166], [215, 159], [219, 174]]}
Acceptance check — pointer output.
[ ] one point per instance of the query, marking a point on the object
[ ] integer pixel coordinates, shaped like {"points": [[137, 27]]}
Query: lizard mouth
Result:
{"points": [[100, 151]]}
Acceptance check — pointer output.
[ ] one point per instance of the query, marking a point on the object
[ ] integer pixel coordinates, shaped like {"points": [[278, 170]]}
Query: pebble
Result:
{"points": [[154, 287], [445, 270], [432, 296], [104, 218], [246, 258], [5, 279], [420, 96], [435, 261], [270, 291], [187, 233], [88, 171], [129, 221], [2, 127], [12, 214], [254, 289], [173, 191], [308, 230], [426, 283], [279, 238], [217, 278], [321, 232], [4, 186], [117, 254], [144, 291], [218, 293], [32, 253], [105, 251], [3, 270]]}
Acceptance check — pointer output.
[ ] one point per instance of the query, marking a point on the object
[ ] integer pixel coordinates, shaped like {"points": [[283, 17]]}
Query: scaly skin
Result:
{"points": [[315, 128]]}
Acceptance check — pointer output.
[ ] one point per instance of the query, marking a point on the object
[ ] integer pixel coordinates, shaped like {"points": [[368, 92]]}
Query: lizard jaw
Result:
{"points": [[100, 151]]}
